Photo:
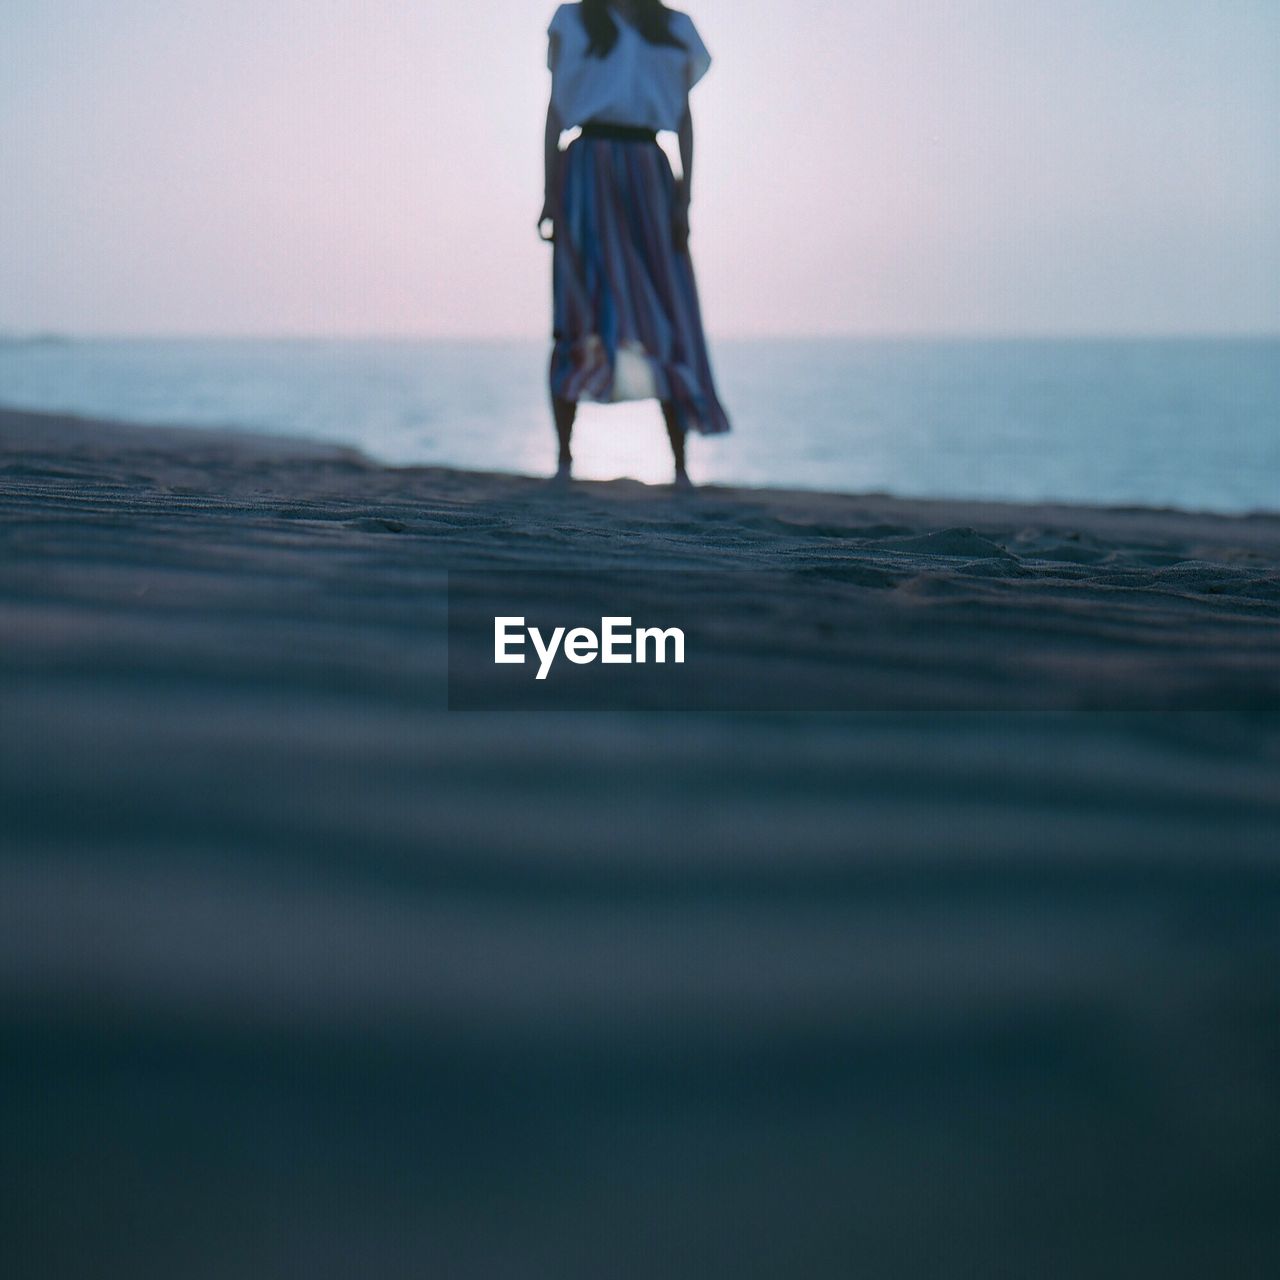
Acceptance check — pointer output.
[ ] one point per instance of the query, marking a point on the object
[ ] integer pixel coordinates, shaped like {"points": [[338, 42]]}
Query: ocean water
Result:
{"points": [[1193, 423]]}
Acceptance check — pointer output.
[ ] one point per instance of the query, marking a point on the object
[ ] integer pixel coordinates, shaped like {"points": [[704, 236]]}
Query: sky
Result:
{"points": [[373, 167]]}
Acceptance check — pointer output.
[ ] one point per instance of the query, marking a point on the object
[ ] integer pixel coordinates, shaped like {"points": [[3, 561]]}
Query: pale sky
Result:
{"points": [[863, 166]]}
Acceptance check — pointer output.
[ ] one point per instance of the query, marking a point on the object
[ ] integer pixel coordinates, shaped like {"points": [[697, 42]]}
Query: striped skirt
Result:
{"points": [[627, 323]]}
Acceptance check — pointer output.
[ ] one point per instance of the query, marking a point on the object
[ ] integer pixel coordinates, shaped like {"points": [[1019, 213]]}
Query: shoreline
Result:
{"points": [[21, 428], [281, 442]]}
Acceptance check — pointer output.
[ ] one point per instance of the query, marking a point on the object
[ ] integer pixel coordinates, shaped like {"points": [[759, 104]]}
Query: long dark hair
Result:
{"points": [[651, 18]]}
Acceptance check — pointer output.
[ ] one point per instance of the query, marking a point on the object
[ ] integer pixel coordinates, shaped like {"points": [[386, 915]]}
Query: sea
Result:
{"points": [[1192, 423]]}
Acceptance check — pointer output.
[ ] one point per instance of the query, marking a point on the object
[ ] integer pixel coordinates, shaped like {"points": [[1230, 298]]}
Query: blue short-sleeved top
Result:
{"points": [[638, 83]]}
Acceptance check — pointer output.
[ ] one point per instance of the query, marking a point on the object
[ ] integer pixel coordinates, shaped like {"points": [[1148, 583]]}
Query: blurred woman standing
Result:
{"points": [[627, 325]]}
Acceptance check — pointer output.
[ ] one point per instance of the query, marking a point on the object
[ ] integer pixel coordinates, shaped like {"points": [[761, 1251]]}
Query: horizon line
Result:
{"points": [[37, 336]]}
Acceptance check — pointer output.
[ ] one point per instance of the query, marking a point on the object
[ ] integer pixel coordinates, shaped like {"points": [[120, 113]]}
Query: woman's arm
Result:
{"points": [[551, 142], [680, 215], [550, 167], [685, 135]]}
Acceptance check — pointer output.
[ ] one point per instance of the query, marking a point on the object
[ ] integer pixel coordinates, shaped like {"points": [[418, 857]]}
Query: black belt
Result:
{"points": [[618, 132]]}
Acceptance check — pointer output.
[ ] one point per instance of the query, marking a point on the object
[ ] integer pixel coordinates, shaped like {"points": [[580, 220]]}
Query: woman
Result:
{"points": [[627, 324]]}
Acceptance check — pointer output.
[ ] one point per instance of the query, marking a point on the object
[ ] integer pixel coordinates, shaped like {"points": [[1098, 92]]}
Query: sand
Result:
{"points": [[936, 935]]}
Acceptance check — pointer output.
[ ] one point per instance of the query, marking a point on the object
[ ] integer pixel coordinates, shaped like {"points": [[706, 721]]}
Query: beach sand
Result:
{"points": [[938, 937]]}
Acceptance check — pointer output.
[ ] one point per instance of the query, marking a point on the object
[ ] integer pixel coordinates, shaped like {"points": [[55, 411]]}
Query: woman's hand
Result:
{"points": [[548, 215]]}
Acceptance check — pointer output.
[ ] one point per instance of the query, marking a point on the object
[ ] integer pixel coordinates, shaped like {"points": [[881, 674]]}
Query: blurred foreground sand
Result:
{"points": [[302, 973]]}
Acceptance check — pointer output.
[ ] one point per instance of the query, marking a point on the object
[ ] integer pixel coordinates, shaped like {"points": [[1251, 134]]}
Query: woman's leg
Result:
{"points": [[676, 436], [564, 412]]}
